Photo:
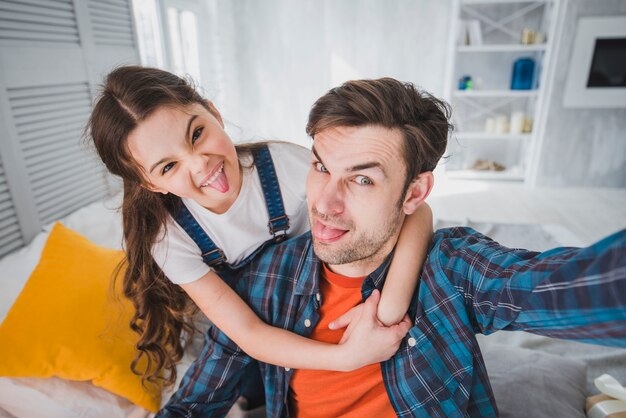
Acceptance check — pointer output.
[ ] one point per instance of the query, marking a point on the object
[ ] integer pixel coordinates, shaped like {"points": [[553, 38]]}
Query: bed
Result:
{"points": [[549, 377]]}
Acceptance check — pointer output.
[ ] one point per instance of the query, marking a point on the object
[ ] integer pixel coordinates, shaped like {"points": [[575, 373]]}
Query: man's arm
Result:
{"points": [[571, 293], [212, 383]]}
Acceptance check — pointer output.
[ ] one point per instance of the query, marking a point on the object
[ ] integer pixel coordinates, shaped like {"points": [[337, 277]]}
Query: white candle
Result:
{"points": [[502, 124], [490, 125], [517, 122]]}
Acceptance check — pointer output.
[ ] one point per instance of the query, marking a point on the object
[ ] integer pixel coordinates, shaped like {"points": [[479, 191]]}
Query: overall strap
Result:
{"points": [[279, 222], [211, 254]]}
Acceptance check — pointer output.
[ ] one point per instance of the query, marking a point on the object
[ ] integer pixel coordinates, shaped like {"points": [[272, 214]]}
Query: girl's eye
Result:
{"points": [[167, 167], [363, 181], [320, 167], [196, 135]]}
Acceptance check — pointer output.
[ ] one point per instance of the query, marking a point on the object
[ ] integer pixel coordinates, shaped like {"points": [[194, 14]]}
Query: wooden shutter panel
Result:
{"points": [[38, 20], [62, 173], [111, 22], [54, 54], [10, 234]]}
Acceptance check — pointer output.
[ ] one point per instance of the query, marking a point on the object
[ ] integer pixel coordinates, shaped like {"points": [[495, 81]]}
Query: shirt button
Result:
{"points": [[318, 297], [412, 342], [307, 323]]}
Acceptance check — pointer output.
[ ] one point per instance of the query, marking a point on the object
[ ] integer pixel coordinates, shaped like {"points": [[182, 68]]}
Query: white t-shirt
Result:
{"points": [[243, 228]]}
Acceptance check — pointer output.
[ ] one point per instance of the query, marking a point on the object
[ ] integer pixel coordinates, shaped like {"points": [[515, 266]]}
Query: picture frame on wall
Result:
{"points": [[597, 72]]}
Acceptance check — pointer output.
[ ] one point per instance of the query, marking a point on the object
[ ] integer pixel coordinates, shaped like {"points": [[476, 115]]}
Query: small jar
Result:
{"points": [[528, 36]]}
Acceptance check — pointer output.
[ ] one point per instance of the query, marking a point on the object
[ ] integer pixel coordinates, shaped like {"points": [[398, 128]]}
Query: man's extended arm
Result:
{"points": [[212, 383], [572, 293]]}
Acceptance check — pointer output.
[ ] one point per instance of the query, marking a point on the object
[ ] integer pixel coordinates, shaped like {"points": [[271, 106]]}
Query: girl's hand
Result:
{"points": [[366, 340], [348, 320]]}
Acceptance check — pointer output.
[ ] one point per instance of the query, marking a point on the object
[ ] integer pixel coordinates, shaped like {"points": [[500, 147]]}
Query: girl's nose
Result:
{"points": [[199, 163]]}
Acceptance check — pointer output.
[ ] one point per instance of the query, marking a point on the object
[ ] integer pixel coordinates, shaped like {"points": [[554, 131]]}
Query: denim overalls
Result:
{"points": [[213, 256]]}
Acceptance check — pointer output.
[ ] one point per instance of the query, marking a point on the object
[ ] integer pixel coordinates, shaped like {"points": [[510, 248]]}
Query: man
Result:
{"points": [[375, 143]]}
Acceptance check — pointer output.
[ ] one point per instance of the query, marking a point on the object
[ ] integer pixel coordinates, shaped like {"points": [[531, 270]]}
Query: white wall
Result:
{"points": [[272, 59], [582, 147], [279, 56]]}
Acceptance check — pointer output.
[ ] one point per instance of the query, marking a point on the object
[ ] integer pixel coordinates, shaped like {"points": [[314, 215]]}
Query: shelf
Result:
{"points": [[492, 136], [505, 175], [486, 47], [495, 93], [471, 2], [501, 48]]}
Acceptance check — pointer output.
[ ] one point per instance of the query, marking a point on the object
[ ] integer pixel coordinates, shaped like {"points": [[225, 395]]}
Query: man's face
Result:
{"points": [[354, 188]]}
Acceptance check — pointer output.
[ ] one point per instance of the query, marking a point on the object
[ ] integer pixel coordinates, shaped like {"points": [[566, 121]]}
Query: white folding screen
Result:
{"points": [[53, 55], [49, 122], [112, 22], [10, 234], [38, 20]]}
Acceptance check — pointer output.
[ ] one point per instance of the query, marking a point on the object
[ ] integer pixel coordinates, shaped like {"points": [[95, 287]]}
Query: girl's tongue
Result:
{"points": [[221, 183]]}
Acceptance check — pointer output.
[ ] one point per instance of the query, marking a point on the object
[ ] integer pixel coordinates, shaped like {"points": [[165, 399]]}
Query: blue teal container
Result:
{"points": [[523, 74]]}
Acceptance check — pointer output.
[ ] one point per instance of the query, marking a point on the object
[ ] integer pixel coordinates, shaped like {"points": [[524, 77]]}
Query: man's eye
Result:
{"points": [[320, 167], [363, 181], [196, 135], [167, 167]]}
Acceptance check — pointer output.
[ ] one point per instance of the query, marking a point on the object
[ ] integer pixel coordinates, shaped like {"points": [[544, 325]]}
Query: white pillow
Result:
{"points": [[58, 398]]}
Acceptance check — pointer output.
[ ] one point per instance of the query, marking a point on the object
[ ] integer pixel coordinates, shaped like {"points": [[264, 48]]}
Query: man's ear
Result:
{"points": [[215, 112], [418, 191]]}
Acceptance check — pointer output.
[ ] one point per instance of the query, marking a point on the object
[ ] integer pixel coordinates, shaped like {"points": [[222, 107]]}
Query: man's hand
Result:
{"points": [[366, 339]]}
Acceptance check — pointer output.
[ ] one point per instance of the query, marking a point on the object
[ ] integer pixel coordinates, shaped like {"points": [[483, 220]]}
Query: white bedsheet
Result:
{"points": [[54, 397]]}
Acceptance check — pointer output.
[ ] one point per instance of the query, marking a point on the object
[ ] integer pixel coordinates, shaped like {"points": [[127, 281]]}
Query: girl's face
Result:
{"points": [[185, 151]]}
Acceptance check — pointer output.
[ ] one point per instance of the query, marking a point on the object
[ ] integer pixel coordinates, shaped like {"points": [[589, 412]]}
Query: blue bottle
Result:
{"points": [[523, 74]]}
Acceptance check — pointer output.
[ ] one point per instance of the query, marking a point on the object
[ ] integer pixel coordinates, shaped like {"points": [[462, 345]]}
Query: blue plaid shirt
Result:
{"points": [[469, 284]]}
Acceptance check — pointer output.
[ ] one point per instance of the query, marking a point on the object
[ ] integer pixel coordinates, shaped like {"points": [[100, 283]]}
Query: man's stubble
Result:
{"points": [[365, 246]]}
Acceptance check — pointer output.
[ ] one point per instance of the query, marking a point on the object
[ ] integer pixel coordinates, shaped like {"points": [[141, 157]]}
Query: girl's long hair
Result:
{"points": [[163, 311]]}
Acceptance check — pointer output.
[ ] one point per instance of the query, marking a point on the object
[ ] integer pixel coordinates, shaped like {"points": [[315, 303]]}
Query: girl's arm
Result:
{"points": [[369, 342], [411, 250]]}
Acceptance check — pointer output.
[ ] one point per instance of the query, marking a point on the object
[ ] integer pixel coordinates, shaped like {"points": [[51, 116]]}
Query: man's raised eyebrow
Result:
{"points": [[357, 167], [366, 166], [162, 160]]}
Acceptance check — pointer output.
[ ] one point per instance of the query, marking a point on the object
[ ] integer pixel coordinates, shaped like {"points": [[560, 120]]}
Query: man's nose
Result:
{"points": [[330, 200]]}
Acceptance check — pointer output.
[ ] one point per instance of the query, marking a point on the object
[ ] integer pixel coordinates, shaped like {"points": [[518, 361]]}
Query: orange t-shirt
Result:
{"points": [[322, 393]]}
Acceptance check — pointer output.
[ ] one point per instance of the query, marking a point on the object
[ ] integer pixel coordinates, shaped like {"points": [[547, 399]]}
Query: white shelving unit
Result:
{"points": [[495, 93], [488, 59], [500, 48]]}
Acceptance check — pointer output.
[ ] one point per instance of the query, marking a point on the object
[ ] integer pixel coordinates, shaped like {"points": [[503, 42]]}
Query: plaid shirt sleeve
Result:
{"points": [[569, 293], [212, 383]]}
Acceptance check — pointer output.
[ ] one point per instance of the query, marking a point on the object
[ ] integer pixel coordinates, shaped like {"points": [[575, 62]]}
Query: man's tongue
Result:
{"points": [[326, 233], [220, 184]]}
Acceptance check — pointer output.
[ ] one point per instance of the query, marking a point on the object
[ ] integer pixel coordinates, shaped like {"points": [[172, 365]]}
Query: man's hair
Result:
{"points": [[422, 118]]}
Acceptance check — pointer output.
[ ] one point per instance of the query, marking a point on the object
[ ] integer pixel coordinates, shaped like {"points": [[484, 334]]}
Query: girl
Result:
{"points": [[191, 197]]}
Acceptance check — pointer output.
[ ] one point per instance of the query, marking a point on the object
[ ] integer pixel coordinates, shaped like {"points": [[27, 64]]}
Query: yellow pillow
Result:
{"points": [[68, 323]]}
